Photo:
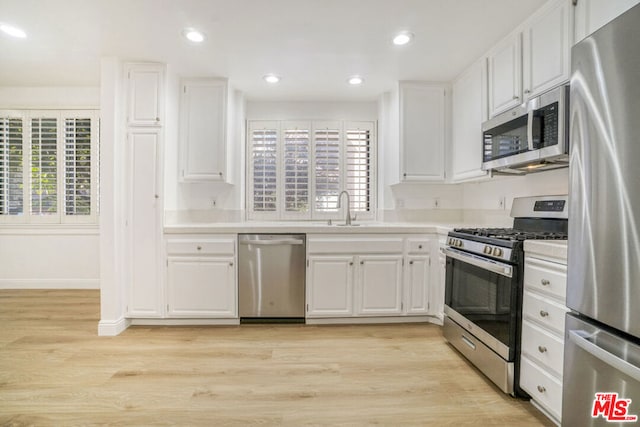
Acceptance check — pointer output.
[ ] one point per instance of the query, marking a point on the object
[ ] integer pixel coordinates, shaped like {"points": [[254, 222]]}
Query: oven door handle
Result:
{"points": [[495, 267]]}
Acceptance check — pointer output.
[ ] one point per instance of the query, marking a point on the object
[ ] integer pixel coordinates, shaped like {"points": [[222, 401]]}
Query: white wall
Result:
{"points": [[308, 110], [45, 256]]}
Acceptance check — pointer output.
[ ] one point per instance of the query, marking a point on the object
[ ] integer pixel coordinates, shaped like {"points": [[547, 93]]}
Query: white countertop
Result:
{"points": [[550, 248], [309, 227]]}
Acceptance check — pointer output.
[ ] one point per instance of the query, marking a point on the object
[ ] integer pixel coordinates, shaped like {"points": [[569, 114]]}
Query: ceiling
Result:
{"points": [[315, 45]]}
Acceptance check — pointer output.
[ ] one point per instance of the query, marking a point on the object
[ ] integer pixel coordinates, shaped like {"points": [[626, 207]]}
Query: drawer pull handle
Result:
{"points": [[545, 282], [199, 248], [542, 349], [541, 389], [543, 313]]}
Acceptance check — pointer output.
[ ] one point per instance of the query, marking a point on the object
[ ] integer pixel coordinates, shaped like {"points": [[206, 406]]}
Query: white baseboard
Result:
{"points": [[49, 283], [370, 320], [111, 328], [184, 322]]}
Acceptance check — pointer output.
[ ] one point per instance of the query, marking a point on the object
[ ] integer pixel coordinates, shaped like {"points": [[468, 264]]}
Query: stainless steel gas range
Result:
{"points": [[483, 290]]}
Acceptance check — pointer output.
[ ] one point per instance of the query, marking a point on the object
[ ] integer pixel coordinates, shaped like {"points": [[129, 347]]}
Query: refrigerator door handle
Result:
{"points": [[581, 339]]}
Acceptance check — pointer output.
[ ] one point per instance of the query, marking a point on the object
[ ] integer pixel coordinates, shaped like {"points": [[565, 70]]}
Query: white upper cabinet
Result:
{"points": [[546, 48], [505, 74], [203, 130], [145, 94], [593, 14], [533, 59], [422, 131], [469, 111]]}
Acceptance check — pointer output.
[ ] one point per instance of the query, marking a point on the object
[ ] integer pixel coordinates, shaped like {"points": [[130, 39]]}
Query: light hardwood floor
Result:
{"points": [[55, 370]]}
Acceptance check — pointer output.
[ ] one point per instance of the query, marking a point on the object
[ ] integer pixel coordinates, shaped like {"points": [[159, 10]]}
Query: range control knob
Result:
{"points": [[497, 251], [487, 250], [459, 244]]}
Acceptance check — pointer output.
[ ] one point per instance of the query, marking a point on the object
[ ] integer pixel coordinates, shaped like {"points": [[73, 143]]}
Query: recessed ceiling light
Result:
{"points": [[271, 78], [193, 35], [355, 80], [13, 31], [402, 38]]}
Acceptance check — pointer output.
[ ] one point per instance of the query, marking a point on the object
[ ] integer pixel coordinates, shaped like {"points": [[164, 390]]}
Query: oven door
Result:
{"points": [[481, 295]]}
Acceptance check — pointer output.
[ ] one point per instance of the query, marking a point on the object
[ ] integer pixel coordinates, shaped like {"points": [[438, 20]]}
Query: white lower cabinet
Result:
{"points": [[368, 276], [201, 278], [542, 343]]}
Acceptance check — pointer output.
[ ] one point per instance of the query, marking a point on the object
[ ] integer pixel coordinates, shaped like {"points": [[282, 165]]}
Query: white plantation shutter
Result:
{"points": [[11, 166], [359, 171], [297, 170], [264, 168], [44, 166], [326, 143], [296, 141], [77, 166]]}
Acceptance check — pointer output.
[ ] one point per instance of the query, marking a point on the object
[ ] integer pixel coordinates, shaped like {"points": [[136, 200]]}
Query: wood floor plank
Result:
{"points": [[55, 370]]}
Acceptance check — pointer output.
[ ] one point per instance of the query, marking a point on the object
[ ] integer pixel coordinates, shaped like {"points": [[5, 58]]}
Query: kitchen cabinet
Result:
{"points": [[145, 94], [417, 275], [532, 59], [379, 279], [201, 278], [505, 74], [423, 122], [330, 286], [143, 222], [469, 112], [590, 15], [203, 130], [546, 48], [543, 312]]}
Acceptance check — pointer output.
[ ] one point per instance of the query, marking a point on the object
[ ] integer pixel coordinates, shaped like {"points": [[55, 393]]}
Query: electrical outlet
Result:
{"points": [[501, 202], [436, 202], [213, 202]]}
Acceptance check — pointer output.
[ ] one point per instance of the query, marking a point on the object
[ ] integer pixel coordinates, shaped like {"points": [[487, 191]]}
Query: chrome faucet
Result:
{"points": [[347, 220]]}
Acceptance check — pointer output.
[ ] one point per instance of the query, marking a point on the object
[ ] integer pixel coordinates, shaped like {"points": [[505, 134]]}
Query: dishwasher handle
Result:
{"points": [[278, 242]]}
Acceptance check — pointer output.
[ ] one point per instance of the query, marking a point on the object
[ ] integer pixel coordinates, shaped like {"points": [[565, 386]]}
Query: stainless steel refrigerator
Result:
{"points": [[602, 335]]}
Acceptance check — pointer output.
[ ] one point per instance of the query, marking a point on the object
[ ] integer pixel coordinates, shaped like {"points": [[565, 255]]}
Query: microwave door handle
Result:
{"points": [[530, 129]]}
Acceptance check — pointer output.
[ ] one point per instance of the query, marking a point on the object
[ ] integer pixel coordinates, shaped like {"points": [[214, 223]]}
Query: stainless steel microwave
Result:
{"points": [[531, 137]]}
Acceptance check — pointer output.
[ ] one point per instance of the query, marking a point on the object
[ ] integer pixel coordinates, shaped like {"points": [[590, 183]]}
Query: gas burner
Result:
{"points": [[512, 234]]}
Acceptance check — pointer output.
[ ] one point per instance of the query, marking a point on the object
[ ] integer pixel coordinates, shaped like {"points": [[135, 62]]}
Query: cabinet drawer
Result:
{"points": [[544, 311], [418, 246], [197, 247], [543, 346], [547, 277], [543, 387], [354, 245]]}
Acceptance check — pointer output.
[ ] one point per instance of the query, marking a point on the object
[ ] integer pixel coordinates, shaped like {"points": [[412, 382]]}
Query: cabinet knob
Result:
{"points": [[542, 349], [541, 389], [410, 262], [361, 262], [545, 282], [230, 264], [351, 263], [419, 246], [199, 248], [220, 173], [527, 91], [157, 119], [543, 313], [156, 196], [404, 175], [515, 97]]}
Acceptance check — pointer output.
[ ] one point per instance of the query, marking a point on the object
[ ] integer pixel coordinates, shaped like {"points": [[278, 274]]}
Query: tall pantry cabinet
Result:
{"points": [[144, 86]]}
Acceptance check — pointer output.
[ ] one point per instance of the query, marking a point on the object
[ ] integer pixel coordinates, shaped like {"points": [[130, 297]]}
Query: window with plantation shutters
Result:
{"points": [[44, 166], [297, 170], [48, 166], [327, 169], [77, 166], [11, 166], [264, 169]]}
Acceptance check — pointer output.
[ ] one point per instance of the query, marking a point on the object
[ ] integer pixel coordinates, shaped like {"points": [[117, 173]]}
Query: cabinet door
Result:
{"points": [[146, 94], [590, 15], [469, 111], [505, 73], [546, 51], [422, 132], [203, 133], [143, 223], [330, 286], [379, 285], [417, 284], [201, 287]]}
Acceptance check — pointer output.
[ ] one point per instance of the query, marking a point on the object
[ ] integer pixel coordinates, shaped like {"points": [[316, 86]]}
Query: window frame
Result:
{"points": [[60, 217], [312, 213]]}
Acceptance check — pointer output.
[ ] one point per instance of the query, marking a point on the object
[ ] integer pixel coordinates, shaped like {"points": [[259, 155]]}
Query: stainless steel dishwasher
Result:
{"points": [[271, 277]]}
